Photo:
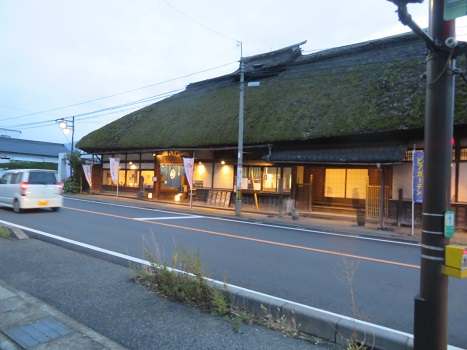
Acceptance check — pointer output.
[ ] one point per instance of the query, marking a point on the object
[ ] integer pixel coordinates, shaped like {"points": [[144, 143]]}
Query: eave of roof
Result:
{"points": [[369, 154]]}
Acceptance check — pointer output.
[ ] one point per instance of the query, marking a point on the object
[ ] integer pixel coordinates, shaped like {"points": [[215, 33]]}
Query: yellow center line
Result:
{"points": [[330, 252]]}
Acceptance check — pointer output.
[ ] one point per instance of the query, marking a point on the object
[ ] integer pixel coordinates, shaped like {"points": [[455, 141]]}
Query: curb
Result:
{"points": [[319, 323], [16, 232], [315, 322]]}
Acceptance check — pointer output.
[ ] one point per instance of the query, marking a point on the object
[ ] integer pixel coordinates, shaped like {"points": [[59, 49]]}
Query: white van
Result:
{"points": [[31, 188]]}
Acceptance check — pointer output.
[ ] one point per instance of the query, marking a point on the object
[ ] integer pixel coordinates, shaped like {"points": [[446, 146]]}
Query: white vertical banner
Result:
{"points": [[87, 174], [189, 164], [114, 169]]}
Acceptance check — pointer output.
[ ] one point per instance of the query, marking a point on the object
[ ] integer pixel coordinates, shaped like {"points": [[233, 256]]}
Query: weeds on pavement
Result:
{"points": [[4, 232], [349, 268], [182, 279]]}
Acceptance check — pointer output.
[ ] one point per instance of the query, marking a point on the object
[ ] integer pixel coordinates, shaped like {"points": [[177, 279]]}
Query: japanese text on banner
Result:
{"points": [[418, 163]]}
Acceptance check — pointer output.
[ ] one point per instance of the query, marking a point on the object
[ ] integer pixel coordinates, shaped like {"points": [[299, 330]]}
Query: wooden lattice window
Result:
{"points": [[463, 155]]}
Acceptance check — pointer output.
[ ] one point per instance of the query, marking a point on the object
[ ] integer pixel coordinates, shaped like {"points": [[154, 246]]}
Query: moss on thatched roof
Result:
{"points": [[362, 88]]}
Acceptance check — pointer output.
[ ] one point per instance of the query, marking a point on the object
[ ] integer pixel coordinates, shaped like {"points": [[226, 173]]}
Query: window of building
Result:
{"points": [[287, 174], [463, 154], [251, 178], [132, 178], [346, 183], [107, 178], [266, 178], [270, 179], [147, 176]]}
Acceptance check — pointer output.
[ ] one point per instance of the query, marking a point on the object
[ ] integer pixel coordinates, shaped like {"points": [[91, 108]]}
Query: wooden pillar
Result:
{"points": [[157, 174]]}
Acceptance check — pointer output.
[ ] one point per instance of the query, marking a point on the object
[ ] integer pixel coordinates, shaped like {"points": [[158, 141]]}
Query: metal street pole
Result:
{"points": [[63, 123], [238, 201], [430, 319], [72, 133]]}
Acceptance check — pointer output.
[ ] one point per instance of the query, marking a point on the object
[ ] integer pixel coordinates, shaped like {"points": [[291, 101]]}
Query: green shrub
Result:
{"points": [[19, 164], [71, 186]]}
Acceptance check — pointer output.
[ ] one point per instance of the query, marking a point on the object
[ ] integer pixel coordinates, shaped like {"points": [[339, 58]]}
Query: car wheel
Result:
{"points": [[16, 207], [55, 208]]}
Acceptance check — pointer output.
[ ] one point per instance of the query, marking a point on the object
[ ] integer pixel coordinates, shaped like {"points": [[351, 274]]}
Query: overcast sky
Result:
{"points": [[63, 58]]}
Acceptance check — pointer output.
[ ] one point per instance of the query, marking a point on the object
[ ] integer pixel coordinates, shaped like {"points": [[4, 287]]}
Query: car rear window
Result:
{"points": [[16, 178], [5, 179], [42, 178]]}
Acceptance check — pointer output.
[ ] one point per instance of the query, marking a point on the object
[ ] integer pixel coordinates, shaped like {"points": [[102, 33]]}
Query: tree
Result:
{"points": [[73, 183]]}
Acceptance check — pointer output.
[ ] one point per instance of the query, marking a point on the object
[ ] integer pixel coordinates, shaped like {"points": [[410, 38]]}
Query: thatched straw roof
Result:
{"points": [[369, 87]]}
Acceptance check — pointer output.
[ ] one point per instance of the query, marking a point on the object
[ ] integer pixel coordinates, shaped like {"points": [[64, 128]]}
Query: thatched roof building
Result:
{"points": [[367, 88]]}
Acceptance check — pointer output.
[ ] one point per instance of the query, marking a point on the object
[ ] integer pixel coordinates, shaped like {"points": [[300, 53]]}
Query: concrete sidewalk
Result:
{"points": [[62, 299], [27, 322]]}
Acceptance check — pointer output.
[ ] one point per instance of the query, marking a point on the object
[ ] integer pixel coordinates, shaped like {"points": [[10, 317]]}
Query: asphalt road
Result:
{"points": [[101, 295], [312, 267]]}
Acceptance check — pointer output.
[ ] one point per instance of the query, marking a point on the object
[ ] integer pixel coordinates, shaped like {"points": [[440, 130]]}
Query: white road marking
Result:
{"points": [[327, 233], [169, 218], [80, 244], [128, 206]]}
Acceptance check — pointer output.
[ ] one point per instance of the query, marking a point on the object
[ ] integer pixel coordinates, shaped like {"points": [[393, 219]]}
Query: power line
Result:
{"points": [[117, 94], [199, 23], [90, 114]]}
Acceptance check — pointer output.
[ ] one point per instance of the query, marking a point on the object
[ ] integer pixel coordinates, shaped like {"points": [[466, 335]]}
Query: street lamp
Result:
{"points": [[68, 126]]}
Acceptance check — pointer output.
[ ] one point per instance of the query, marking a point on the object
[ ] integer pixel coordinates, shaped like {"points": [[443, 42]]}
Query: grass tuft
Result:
{"points": [[4, 232], [182, 279]]}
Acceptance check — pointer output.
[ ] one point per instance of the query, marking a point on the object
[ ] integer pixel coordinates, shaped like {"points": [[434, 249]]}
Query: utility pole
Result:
{"points": [[238, 201], [66, 128], [72, 134], [431, 307], [431, 304]]}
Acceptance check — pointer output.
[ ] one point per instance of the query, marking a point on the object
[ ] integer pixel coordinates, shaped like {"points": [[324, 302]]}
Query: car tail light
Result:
{"points": [[24, 187], [60, 186]]}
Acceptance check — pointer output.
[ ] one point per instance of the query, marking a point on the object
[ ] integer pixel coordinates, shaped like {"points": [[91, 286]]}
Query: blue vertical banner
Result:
{"points": [[417, 173]]}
